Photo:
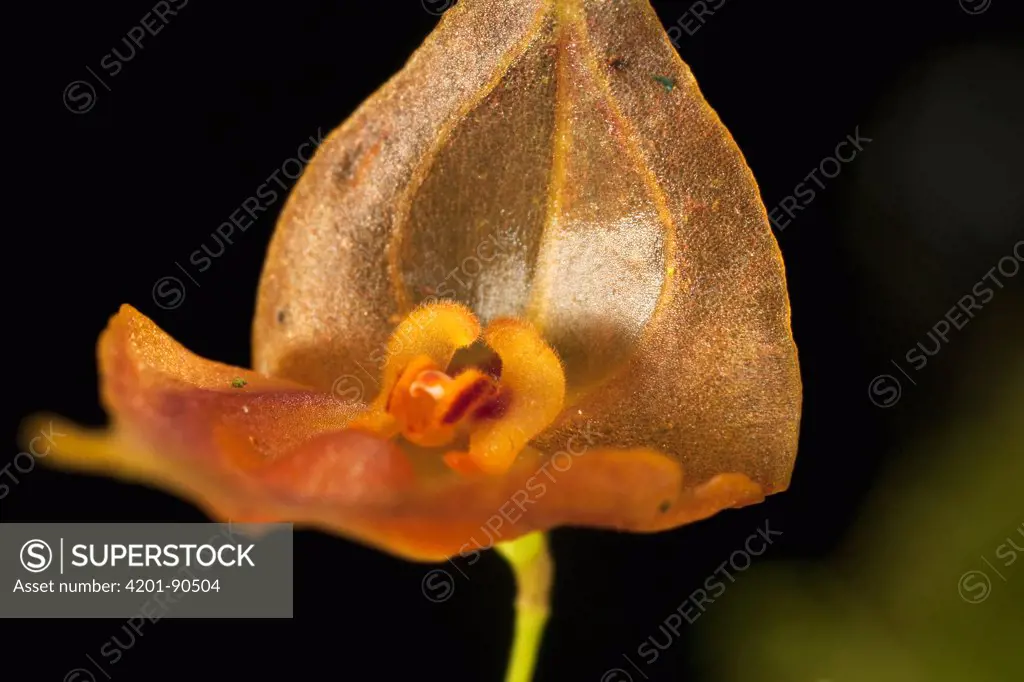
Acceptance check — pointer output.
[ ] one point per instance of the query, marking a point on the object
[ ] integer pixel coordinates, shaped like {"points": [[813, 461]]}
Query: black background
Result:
{"points": [[210, 107]]}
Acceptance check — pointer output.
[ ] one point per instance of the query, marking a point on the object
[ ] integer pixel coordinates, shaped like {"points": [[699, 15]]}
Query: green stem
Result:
{"points": [[533, 568]]}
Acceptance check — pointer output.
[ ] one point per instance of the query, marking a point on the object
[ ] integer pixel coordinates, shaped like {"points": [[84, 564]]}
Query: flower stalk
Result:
{"points": [[533, 569]]}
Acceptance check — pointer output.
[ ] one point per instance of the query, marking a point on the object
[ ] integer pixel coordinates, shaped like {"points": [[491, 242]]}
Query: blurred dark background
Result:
{"points": [[214, 103]]}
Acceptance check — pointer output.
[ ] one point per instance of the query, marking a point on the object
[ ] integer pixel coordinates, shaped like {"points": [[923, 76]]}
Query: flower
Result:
{"points": [[527, 281]]}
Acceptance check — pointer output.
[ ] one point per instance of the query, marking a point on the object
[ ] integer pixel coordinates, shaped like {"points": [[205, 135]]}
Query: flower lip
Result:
{"points": [[431, 406]]}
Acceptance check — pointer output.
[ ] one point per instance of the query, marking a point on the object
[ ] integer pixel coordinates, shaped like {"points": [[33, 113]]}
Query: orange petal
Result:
{"points": [[274, 451], [435, 331], [432, 332], [158, 392], [361, 486], [532, 375]]}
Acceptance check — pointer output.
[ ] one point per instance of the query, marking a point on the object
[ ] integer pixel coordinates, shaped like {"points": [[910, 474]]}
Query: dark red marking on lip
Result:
{"points": [[466, 399], [496, 407]]}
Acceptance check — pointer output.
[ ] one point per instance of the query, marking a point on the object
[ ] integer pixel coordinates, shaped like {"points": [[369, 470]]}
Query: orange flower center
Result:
{"points": [[429, 407]]}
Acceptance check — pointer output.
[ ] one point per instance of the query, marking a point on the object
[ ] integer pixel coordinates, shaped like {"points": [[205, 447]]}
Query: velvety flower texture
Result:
{"points": [[529, 283]]}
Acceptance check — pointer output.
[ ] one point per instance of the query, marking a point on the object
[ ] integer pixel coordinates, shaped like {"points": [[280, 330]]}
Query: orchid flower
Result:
{"points": [[530, 278]]}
